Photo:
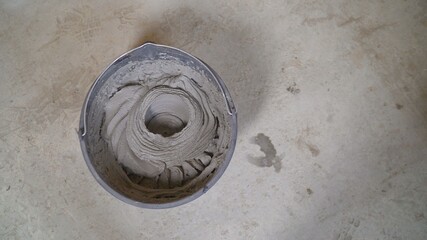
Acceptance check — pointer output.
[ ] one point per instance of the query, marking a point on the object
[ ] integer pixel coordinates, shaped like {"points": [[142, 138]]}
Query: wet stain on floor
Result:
{"points": [[270, 158]]}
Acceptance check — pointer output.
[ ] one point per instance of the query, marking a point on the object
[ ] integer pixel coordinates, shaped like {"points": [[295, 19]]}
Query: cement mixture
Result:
{"points": [[167, 126]]}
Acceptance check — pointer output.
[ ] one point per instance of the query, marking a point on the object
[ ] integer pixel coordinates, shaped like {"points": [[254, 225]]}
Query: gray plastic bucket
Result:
{"points": [[101, 167]]}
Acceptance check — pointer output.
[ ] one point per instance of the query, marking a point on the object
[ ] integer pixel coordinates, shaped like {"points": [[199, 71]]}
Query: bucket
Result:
{"points": [[158, 127]]}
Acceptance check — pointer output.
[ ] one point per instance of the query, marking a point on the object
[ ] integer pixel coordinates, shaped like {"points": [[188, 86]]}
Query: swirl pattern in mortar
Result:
{"points": [[166, 125]]}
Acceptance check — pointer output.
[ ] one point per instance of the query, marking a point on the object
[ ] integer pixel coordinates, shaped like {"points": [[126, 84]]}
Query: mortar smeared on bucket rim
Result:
{"points": [[103, 165]]}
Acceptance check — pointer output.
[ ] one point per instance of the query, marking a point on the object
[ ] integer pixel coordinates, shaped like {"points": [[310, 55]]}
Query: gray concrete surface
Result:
{"points": [[338, 87]]}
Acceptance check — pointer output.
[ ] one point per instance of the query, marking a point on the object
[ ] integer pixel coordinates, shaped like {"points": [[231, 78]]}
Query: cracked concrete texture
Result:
{"points": [[338, 87]]}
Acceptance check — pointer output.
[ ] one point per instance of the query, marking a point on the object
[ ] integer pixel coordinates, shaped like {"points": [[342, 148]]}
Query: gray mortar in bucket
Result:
{"points": [[175, 185]]}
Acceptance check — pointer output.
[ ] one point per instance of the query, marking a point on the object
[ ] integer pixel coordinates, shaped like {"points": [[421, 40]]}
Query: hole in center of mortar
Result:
{"points": [[168, 114]]}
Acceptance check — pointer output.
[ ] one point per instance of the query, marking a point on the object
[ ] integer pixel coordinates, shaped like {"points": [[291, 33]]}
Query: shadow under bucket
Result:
{"points": [[158, 127]]}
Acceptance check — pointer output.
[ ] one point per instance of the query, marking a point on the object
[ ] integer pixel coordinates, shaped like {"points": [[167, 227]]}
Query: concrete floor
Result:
{"points": [[339, 87]]}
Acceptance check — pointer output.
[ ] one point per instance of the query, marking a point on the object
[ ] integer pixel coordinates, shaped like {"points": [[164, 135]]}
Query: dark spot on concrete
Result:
{"points": [[399, 106], [349, 21], [270, 158], [317, 20], [383, 190], [293, 89], [356, 222], [250, 225], [309, 191], [315, 151], [419, 216], [365, 32], [8, 188]]}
